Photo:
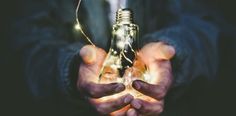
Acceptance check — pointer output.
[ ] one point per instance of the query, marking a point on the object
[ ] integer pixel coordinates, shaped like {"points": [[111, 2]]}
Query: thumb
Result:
{"points": [[164, 51], [157, 51], [88, 54]]}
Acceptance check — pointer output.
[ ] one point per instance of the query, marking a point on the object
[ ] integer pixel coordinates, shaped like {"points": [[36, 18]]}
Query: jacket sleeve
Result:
{"points": [[194, 36], [42, 40]]}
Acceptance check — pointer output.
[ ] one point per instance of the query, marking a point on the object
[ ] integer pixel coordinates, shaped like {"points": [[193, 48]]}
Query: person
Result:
{"points": [[179, 42]]}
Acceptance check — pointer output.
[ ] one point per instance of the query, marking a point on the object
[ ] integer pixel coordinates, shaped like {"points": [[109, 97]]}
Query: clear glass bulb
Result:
{"points": [[122, 63]]}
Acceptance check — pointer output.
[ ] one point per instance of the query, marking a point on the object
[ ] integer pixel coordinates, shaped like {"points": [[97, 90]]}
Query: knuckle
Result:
{"points": [[157, 111], [118, 103], [149, 87], [93, 91], [101, 110], [160, 110], [146, 86], [162, 93]]}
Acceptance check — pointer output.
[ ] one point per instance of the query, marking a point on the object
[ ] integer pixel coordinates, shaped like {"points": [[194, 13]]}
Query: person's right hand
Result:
{"points": [[88, 85]]}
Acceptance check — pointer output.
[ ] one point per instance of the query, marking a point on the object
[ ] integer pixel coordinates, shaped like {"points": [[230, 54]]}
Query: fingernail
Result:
{"points": [[137, 85], [128, 99], [136, 105], [119, 88]]}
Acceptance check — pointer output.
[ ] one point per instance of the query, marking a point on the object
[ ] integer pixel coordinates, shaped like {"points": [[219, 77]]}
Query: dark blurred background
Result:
{"points": [[221, 99], [15, 98]]}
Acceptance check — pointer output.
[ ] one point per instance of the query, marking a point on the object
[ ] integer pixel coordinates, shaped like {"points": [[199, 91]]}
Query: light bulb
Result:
{"points": [[122, 63]]}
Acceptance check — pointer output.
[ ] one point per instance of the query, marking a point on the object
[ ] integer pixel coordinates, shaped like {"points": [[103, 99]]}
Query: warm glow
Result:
{"points": [[120, 44], [78, 26], [138, 71], [126, 108], [131, 91]]}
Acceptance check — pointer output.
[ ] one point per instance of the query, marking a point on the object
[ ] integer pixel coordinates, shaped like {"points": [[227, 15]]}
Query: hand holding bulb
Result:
{"points": [[160, 71], [151, 85], [87, 82]]}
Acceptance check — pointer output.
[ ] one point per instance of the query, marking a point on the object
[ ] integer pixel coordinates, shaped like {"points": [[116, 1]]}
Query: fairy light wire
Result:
{"points": [[77, 10], [78, 25]]}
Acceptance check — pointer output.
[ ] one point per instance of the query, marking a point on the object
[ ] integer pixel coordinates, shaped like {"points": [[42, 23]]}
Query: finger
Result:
{"points": [[161, 80], [164, 51], [157, 51], [90, 54], [111, 105], [160, 72], [148, 108], [90, 68], [131, 112], [100, 90], [155, 91]]}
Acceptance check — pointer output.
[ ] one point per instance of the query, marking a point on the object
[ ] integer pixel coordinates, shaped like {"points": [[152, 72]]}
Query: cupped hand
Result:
{"points": [[156, 57], [88, 85]]}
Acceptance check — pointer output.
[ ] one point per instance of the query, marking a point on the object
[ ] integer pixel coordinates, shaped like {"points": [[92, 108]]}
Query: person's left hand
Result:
{"points": [[94, 92], [157, 57]]}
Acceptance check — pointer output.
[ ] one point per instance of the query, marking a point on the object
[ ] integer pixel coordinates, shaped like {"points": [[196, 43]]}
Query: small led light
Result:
{"points": [[120, 32], [115, 52], [77, 26], [120, 44]]}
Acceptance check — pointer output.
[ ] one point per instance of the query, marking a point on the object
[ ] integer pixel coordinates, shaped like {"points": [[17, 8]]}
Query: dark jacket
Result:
{"points": [[46, 45]]}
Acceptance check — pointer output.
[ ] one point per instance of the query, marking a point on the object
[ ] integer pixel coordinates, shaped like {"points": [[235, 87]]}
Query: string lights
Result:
{"points": [[122, 63], [78, 25]]}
